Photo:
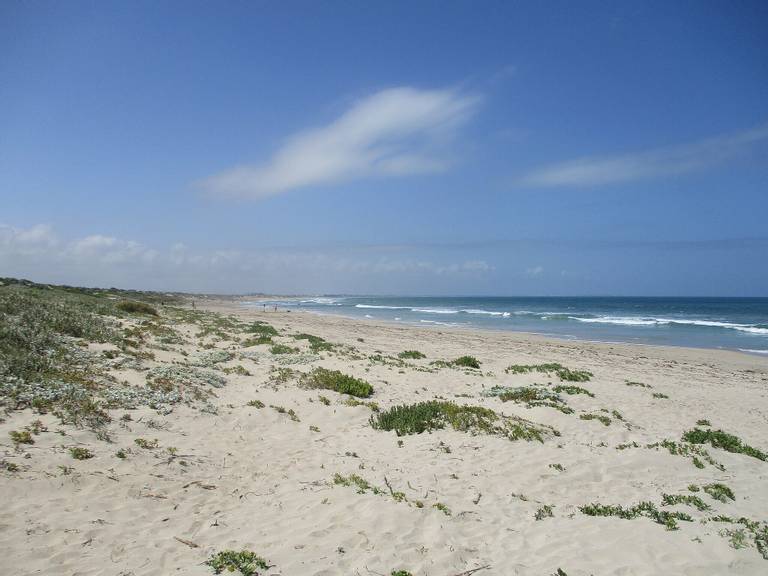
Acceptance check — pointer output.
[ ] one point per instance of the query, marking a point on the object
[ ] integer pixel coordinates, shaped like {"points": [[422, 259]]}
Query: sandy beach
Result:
{"points": [[301, 477]]}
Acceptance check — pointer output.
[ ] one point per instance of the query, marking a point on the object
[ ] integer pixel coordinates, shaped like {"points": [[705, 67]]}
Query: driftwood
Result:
{"points": [[187, 542], [468, 572]]}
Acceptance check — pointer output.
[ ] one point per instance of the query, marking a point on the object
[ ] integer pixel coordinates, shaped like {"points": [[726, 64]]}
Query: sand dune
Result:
{"points": [[254, 478]]}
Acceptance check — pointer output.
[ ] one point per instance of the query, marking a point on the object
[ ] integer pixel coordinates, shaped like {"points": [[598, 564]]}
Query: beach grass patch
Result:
{"points": [[135, 307], [283, 349], [531, 396], [335, 380], [638, 384], [466, 362], [262, 329], [245, 562], [720, 492], [644, 509], [544, 512], [561, 371], [257, 341], [411, 355], [602, 418], [572, 390], [724, 441], [316, 344], [79, 453], [436, 415], [686, 499], [21, 437]]}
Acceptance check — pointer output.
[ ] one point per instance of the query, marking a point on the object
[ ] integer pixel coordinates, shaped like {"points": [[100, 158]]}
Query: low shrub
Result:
{"points": [[723, 440], [338, 382], [435, 415], [245, 562], [283, 349], [466, 362], [135, 307], [561, 371], [80, 453], [411, 354]]}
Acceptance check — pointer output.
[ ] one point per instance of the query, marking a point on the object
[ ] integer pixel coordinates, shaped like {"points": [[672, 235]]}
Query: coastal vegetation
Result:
{"points": [[559, 370], [338, 382], [245, 562], [436, 415]]}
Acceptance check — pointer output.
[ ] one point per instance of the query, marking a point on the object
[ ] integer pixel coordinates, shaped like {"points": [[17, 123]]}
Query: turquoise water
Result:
{"points": [[730, 323]]}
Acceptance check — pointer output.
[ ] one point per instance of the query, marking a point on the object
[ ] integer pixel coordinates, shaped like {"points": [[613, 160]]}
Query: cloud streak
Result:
{"points": [[661, 162], [39, 254], [394, 132]]}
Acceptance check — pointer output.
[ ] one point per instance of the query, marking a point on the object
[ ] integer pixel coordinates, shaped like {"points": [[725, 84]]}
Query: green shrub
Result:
{"points": [[723, 440], [316, 344], [262, 329], [411, 354], [719, 492], [146, 444], [80, 453], [283, 349], [358, 482], [562, 372], [21, 437], [573, 390], [544, 512], [647, 509], [245, 562], [338, 382], [257, 341], [435, 415], [599, 417], [687, 499], [134, 307], [531, 396], [466, 362]]}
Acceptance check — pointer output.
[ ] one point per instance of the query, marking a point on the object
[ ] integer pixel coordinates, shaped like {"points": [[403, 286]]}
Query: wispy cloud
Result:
{"points": [[670, 161], [394, 132], [39, 254]]}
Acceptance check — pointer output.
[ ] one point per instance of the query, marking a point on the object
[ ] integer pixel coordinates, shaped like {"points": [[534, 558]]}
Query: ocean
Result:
{"points": [[725, 323]]}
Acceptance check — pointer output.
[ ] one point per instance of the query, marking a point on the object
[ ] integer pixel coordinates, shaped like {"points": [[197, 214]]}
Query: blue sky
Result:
{"points": [[404, 148]]}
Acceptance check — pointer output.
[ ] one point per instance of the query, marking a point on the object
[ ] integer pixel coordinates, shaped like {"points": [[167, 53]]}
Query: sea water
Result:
{"points": [[729, 323]]}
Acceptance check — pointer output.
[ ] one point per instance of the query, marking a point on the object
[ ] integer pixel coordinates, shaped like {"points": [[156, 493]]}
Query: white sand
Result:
{"points": [[256, 479]]}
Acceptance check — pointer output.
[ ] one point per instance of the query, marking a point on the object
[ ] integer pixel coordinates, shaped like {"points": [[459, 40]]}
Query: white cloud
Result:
{"points": [[394, 132], [670, 161], [100, 260], [535, 271]]}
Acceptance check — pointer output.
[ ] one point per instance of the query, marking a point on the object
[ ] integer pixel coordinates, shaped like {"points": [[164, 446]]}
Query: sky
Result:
{"points": [[433, 148]]}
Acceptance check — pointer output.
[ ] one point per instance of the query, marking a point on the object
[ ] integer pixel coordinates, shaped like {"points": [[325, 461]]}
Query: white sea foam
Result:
{"points": [[322, 300], [382, 307], [440, 323], [435, 310], [621, 320], [646, 321], [487, 312], [752, 351]]}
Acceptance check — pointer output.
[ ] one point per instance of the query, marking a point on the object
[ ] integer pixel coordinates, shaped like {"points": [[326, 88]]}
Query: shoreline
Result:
{"points": [[217, 432], [285, 303], [737, 356]]}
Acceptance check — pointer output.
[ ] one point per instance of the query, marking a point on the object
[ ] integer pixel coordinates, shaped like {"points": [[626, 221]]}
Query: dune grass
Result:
{"points": [[134, 307], [245, 562], [436, 415], [561, 371], [724, 441], [335, 380], [411, 355]]}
